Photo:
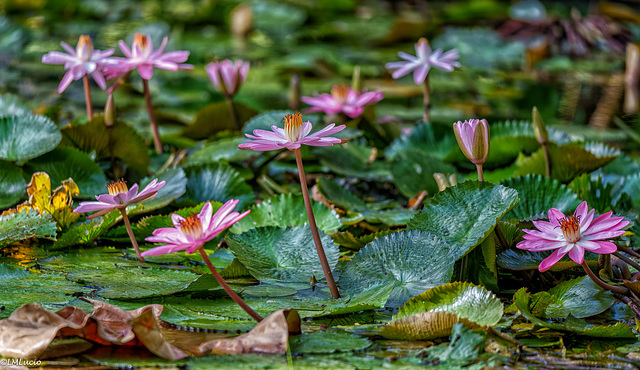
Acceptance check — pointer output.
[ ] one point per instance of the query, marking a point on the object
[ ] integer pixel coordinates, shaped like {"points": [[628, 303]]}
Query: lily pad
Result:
{"points": [[87, 233], [410, 261], [282, 254], [538, 194], [327, 342], [64, 163], [579, 297], [12, 184], [413, 171], [287, 210], [26, 224], [27, 136], [463, 215], [175, 187], [219, 150], [10, 105], [214, 118], [217, 182], [352, 159], [421, 326], [265, 120], [437, 141]]}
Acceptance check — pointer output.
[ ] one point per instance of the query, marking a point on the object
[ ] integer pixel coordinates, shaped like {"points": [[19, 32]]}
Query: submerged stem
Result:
{"points": [[602, 284], [314, 229], [87, 97], [152, 117], [427, 100], [127, 225], [236, 298]]}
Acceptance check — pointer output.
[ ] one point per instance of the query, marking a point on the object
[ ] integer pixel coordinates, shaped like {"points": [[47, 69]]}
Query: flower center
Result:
{"points": [[118, 187], [85, 48], [340, 92], [293, 126], [141, 43], [570, 228], [192, 226]]}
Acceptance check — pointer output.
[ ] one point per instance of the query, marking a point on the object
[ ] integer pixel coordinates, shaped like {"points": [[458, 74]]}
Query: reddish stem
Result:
{"points": [[480, 173], [127, 225], [314, 229], [547, 160], [602, 284], [152, 117], [236, 298], [427, 100], [234, 114], [87, 97]]}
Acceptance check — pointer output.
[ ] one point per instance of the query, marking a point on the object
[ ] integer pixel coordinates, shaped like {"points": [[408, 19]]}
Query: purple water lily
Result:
{"points": [[342, 99]]}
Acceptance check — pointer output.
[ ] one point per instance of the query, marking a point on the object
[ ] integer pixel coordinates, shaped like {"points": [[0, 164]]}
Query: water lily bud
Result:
{"points": [[442, 181], [356, 80], [539, 128], [227, 76], [110, 111], [473, 139], [453, 180], [294, 92], [241, 21]]}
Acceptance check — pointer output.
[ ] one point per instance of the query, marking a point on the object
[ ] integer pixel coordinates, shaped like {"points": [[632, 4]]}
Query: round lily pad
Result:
{"points": [[27, 136], [327, 342]]}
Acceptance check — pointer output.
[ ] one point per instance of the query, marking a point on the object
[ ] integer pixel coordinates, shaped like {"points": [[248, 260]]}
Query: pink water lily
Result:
{"points": [[342, 99], [227, 76], [84, 60], [473, 139], [192, 232], [142, 57], [294, 134], [573, 235], [119, 197], [423, 61]]}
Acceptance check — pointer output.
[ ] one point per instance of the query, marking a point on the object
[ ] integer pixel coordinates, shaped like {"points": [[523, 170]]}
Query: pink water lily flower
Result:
{"points": [[423, 61], [342, 99], [192, 232], [473, 139], [226, 76], [119, 197], [142, 57], [80, 62], [294, 134], [573, 234]]}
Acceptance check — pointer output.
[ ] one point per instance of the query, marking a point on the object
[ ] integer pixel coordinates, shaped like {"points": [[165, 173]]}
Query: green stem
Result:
{"points": [[234, 114], [127, 225], [628, 260], [427, 100], [314, 229], [547, 160], [87, 97]]}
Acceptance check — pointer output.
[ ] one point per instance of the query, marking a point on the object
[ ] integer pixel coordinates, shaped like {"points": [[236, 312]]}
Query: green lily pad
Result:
{"points": [[64, 163], [579, 297], [24, 225], [522, 300], [368, 300], [120, 139], [518, 259], [352, 159], [19, 287], [217, 182], [597, 193], [10, 105], [413, 171], [410, 261], [133, 282], [12, 184], [567, 162], [437, 141], [27, 136], [265, 120], [328, 342], [342, 197], [538, 194], [91, 258], [632, 187], [463, 215], [287, 210], [267, 291], [467, 301], [174, 188], [214, 118], [282, 254], [225, 149]]}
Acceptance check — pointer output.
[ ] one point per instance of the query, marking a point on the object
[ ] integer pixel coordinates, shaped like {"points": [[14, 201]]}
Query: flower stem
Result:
{"points": [[314, 229], [87, 97], [480, 173], [152, 117], [628, 260], [547, 160], [628, 251], [427, 100], [234, 114], [236, 298], [500, 235], [127, 224], [602, 284]]}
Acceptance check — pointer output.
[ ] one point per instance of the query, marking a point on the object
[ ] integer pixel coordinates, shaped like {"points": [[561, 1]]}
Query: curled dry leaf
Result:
{"points": [[269, 336]]}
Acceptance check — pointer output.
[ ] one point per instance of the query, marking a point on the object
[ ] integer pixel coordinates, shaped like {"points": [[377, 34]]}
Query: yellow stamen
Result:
{"points": [[340, 92], [118, 187], [192, 226], [293, 126], [570, 228]]}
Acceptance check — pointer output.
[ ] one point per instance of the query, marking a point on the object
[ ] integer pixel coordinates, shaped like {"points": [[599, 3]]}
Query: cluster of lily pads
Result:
{"points": [[414, 232]]}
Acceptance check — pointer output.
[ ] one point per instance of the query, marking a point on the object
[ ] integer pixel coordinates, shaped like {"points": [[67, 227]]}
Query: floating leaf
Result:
{"points": [[215, 151], [328, 342], [538, 194], [64, 163], [27, 136], [26, 224], [421, 326], [217, 182], [596, 193], [10, 105], [215, 118], [518, 259], [352, 159], [287, 210], [282, 254], [463, 215], [437, 141], [579, 297], [175, 187], [87, 233], [411, 261], [413, 171], [11, 183]]}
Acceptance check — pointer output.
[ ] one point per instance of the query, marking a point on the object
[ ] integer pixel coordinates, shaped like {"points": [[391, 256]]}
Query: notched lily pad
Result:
{"points": [[538, 194]]}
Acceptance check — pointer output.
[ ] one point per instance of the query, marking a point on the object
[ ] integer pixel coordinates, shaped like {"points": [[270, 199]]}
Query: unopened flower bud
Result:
{"points": [[473, 139], [241, 21], [110, 111], [356, 80], [539, 128]]}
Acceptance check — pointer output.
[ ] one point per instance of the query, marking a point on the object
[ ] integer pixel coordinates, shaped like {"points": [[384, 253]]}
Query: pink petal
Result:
{"points": [[165, 249], [93, 206], [420, 74], [177, 220], [124, 48], [403, 70], [602, 247], [219, 216], [56, 57], [205, 215], [577, 254], [551, 260], [581, 211], [98, 77], [65, 82], [555, 216], [146, 71]]}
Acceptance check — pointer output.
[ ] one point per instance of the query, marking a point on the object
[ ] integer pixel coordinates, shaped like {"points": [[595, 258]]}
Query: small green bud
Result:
{"points": [[539, 129]]}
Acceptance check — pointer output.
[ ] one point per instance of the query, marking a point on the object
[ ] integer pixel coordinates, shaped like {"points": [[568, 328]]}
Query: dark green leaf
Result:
{"points": [[413, 170], [217, 182], [27, 136], [538, 194], [327, 342], [12, 184], [24, 225]]}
